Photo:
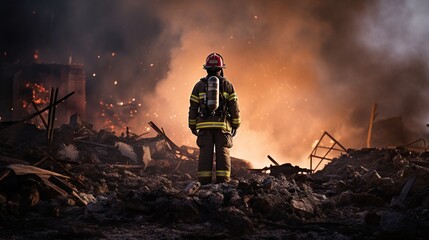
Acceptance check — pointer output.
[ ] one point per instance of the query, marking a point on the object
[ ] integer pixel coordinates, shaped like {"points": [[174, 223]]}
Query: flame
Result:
{"points": [[39, 95], [117, 115]]}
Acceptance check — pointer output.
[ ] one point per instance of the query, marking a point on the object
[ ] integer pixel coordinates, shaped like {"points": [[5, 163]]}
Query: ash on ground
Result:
{"points": [[91, 184]]}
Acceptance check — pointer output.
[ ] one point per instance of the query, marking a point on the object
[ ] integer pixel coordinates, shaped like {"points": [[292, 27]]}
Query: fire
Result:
{"points": [[116, 115], [39, 95]]}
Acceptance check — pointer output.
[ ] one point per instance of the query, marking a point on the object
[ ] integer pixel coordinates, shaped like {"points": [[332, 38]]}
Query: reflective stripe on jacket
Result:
{"points": [[198, 120]]}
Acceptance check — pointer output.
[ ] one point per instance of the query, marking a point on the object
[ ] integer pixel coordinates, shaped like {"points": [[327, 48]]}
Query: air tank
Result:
{"points": [[213, 93]]}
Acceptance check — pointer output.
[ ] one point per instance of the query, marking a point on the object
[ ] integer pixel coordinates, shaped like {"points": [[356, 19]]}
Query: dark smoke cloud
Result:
{"points": [[299, 67], [375, 55], [89, 32]]}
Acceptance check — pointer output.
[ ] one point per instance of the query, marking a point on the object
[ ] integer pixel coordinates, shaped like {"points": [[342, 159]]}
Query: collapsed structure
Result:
{"points": [[94, 184], [25, 86]]}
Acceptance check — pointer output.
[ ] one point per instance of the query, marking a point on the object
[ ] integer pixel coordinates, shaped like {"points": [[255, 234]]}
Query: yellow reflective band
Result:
{"points": [[233, 96], [211, 125], [223, 173], [205, 123], [194, 121], [202, 95], [226, 95], [236, 120], [194, 98], [204, 173]]}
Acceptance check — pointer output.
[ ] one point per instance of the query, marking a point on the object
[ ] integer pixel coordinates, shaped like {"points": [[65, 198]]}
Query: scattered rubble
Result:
{"points": [[92, 184]]}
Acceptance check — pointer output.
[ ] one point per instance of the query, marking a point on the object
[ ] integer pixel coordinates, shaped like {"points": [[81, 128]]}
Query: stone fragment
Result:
{"points": [[191, 188], [302, 207]]}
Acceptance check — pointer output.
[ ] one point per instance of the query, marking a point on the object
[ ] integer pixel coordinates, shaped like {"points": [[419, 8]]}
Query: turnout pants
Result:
{"points": [[221, 140]]}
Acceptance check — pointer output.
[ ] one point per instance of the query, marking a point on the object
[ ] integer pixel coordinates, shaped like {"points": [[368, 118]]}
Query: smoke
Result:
{"points": [[299, 67], [378, 56], [117, 41]]}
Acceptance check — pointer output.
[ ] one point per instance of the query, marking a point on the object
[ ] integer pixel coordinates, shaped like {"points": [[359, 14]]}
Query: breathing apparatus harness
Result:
{"points": [[220, 111]]}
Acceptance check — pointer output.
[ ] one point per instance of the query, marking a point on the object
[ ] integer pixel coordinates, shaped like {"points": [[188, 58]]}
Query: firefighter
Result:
{"points": [[214, 118]]}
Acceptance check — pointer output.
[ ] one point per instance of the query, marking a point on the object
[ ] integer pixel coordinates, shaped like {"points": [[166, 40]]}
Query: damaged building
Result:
{"points": [[71, 169], [26, 86]]}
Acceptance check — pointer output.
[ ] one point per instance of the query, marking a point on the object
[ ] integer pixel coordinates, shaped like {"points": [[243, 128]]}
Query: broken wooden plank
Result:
{"points": [[160, 132], [68, 172], [172, 145], [54, 109], [7, 124], [40, 115], [4, 174], [273, 161]]}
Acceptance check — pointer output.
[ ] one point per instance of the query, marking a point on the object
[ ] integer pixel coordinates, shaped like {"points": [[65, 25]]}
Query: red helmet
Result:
{"points": [[214, 61]]}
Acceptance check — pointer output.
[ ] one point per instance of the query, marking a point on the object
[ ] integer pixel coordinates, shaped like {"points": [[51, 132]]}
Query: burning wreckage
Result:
{"points": [[77, 183]]}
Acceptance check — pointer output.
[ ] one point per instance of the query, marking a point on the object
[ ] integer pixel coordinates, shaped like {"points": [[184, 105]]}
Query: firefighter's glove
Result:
{"points": [[195, 132], [233, 132]]}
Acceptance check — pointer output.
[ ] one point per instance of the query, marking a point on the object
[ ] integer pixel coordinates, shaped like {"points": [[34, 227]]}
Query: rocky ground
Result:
{"points": [[144, 193]]}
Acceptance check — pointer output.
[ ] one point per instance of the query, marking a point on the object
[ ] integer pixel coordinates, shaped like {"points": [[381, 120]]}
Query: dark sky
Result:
{"points": [[88, 32]]}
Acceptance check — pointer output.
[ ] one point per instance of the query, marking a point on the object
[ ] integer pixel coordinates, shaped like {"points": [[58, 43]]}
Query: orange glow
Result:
{"points": [[40, 96], [275, 76], [36, 55], [280, 59]]}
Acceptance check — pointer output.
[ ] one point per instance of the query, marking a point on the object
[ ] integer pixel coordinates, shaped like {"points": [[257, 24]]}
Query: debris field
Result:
{"points": [[79, 183]]}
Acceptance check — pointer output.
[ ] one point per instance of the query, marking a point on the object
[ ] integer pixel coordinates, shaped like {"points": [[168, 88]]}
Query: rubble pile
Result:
{"points": [[387, 189], [93, 184], [380, 171]]}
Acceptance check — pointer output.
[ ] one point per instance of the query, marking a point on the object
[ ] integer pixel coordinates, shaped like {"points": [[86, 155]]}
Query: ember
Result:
{"points": [[115, 115], [80, 81], [39, 97]]}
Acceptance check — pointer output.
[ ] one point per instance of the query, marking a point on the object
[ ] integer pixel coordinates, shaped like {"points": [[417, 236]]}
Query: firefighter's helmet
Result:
{"points": [[214, 61]]}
